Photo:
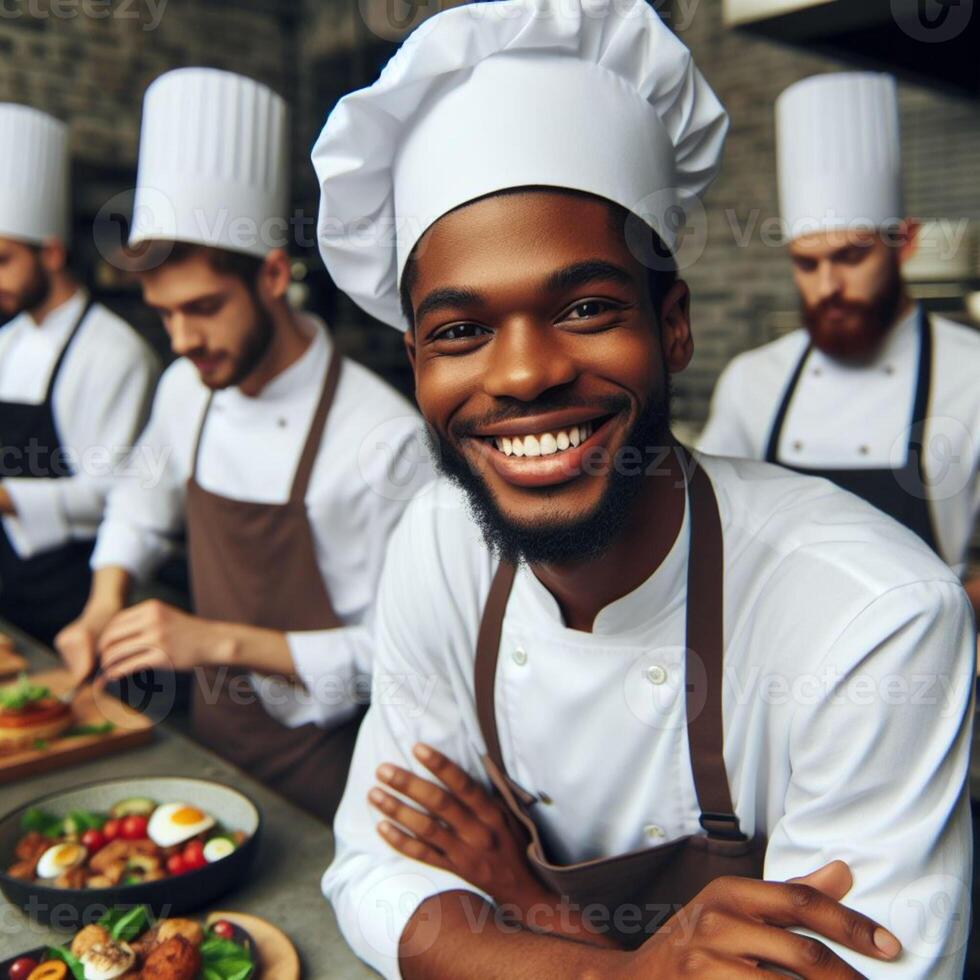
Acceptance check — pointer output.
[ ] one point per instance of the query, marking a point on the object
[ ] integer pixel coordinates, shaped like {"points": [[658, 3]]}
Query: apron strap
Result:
{"points": [[923, 394], [776, 432], [314, 437], [200, 433], [706, 643], [487, 651], [75, 330]]}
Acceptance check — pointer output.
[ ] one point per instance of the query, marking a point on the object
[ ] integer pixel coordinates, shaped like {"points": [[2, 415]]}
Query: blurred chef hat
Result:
{"points": [[213, 163], [590, 95], [33, 175], [840, 160]]}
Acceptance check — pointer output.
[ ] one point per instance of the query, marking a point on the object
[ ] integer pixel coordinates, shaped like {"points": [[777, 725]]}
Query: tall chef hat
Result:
{"points": [[33, 175], [591, 95], [213, 164], [840, 161]]}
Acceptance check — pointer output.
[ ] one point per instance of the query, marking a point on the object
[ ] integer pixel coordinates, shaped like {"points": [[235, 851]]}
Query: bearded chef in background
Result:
{"points": [[873, 393], [75, 383], [655, 663], [280, 455]]}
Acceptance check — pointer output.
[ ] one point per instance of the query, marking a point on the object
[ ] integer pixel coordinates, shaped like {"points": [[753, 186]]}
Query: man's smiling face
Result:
{"points": [[539, 358]]}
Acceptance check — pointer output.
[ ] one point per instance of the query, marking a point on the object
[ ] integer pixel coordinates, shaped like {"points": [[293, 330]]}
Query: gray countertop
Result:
{"points": [[285, 885]]}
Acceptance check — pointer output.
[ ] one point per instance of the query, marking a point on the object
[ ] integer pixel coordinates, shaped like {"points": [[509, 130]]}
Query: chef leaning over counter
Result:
{"points": [[680, 675], [75, 384], [280, 458], [872, 392]]}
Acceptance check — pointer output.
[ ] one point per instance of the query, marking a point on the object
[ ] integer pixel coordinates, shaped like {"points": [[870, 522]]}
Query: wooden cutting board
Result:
{"points": [[89, 708], [277, 955]]}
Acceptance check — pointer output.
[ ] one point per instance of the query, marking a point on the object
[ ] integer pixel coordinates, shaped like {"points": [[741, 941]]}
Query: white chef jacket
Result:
{"points": [[99, 401], [370, 462], [847, 698], [857, 417]]}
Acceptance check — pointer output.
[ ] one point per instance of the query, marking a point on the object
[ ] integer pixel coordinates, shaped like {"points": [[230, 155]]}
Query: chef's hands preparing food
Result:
{"points": [[458, 827]]}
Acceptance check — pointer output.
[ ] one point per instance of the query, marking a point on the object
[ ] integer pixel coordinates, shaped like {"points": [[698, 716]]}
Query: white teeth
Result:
{"points": [[546, 444]]}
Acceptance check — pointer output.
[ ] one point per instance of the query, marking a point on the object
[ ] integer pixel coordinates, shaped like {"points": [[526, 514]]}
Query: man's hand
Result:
{"points": [[78, 641], [156, 636], [736, 925], [458, 827]]}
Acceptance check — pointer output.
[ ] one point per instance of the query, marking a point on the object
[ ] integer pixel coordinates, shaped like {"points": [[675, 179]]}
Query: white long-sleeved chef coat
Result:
{"points": [[99, 404], [856, 417], [847, 704], [369, 463]]}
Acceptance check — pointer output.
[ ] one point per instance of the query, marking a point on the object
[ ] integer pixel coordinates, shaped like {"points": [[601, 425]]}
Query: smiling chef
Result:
{"points": [[75, 384], [278, 452], [678, 677], [873, 393]]}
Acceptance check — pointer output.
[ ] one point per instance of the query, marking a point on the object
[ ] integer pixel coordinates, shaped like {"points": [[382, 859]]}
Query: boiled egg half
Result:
{"points": [[173, 823], [60, 858], [106, 961]]}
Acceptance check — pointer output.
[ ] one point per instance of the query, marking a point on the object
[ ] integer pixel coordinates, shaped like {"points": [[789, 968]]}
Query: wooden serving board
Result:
{"points": [[278, 958], [89, 708]]}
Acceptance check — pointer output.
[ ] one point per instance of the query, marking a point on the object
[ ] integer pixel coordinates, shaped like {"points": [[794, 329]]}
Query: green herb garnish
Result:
{"points": [[126, 924], [79, 730], [75, 965], [78, 821], [222, 959], [44, 823], [20, 695]]}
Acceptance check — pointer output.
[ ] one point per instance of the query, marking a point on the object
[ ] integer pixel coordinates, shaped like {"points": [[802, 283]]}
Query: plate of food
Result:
{"points": [[127, 943], [30, 713], [170, 843]]}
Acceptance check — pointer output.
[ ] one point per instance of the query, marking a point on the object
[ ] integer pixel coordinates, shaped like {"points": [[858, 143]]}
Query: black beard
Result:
{"points": [[256, 346], [36, 292], [569, 540]]}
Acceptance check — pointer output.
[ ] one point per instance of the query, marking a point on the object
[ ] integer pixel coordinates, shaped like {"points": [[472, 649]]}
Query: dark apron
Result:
{"points": [[43, 593], [636, 893], [900, 493], [256, 563]]}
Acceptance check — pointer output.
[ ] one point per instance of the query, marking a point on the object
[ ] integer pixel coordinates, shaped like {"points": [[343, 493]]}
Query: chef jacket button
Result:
{"points": [[656, 674], [281, 423], [653, 830], [519, 657], [817, 372], [545, 799], [864, 450], [889, 369], [797, 445]]}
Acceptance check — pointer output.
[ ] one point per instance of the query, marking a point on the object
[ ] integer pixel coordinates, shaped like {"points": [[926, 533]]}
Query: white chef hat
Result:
{"points": [[840, 160], [213, 163], [590, 95], [33, 175]]}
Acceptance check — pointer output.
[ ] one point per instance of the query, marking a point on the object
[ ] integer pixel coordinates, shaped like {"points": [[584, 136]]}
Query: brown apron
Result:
{"points": [[631, 895], [256, 563]]}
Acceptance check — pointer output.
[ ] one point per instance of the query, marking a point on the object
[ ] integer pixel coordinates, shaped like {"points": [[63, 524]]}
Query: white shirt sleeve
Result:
{"points": [[885, 790], [335, 665], [145, 508], [725, 433], [108, 409], [374, 890]]}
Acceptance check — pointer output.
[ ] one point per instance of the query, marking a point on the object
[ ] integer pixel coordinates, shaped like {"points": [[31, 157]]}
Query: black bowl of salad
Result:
{"points": [[129, 942], [170, 843]]}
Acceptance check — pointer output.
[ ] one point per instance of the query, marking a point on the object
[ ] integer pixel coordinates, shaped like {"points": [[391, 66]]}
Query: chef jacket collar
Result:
{"points": [[635, 611], [58, 323], [307, 370]]}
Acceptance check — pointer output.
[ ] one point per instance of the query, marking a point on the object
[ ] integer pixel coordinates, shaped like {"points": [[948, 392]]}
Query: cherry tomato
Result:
{"points": [[21, 969], [133, 828], [194, 855], [93, 840], [176, 865], [110, 829], [223, 929]]}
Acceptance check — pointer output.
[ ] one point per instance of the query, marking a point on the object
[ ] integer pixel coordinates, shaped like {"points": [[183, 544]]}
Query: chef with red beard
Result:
{"points": [[873, 393]]}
